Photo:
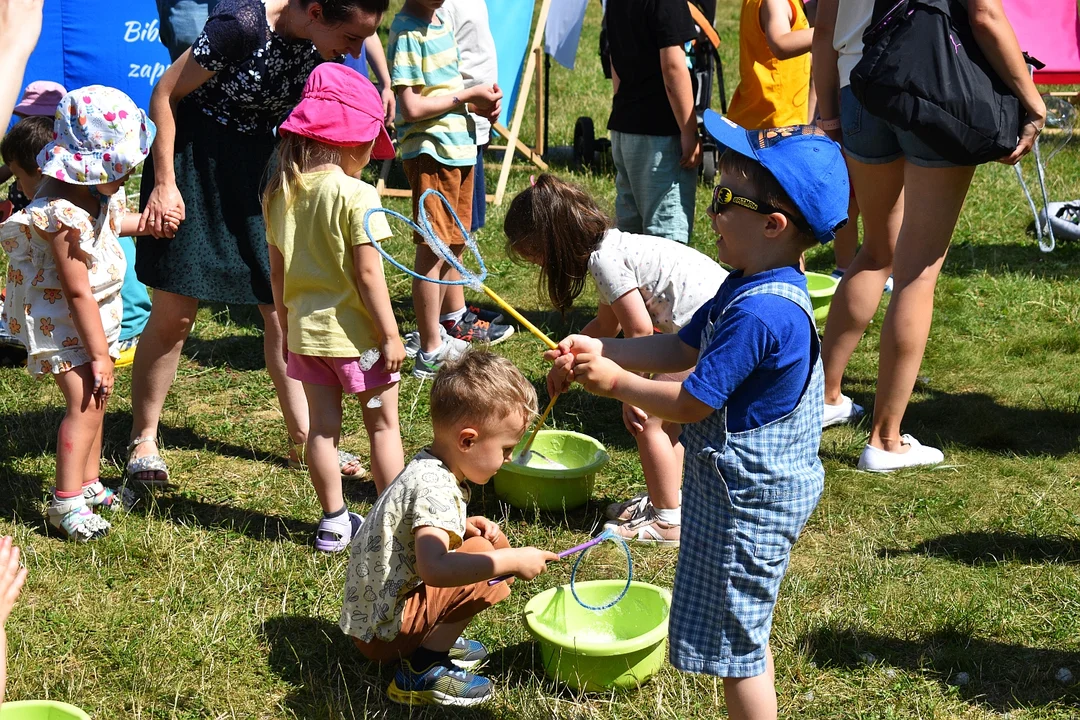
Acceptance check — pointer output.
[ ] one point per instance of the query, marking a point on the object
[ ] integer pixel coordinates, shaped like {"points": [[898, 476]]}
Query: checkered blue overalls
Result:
{"points": [[746, 497]]}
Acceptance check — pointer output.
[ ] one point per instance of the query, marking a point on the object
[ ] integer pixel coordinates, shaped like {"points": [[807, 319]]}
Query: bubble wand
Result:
{"points": [[442, 250], [607, 535]]}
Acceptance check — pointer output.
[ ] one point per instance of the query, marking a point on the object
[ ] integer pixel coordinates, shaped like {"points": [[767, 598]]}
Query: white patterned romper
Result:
{"points": [[36, 310]]}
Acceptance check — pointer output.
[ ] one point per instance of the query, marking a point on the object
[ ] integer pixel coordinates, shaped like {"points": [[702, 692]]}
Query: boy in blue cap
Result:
{"points": [[751, 409]]}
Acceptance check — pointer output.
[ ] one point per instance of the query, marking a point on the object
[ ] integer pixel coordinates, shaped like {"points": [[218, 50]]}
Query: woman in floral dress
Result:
{"points": [[216, 108]]}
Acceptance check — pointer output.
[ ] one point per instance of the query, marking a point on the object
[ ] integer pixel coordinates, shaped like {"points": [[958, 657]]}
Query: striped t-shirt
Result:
{"points": [[426, 56]]}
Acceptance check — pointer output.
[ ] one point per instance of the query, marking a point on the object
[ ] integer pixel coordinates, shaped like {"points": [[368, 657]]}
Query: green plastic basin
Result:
{"points": [[548, 488], [595, 651], [41, 710], [822, 288]]}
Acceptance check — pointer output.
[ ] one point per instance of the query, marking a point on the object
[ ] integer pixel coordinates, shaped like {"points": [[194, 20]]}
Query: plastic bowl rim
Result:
{"points": [[607, 649], [513, 468], [823, 292]]}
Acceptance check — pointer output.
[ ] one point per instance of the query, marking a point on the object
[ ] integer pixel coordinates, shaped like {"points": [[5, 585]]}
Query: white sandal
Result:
{"points": [[647, 530], [146, 464]]}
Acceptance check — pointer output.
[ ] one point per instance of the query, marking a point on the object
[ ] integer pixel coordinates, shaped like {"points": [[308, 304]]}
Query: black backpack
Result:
{"points": [[922, 71]]}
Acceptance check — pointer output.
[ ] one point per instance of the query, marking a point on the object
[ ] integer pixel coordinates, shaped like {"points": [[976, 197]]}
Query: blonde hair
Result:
{"points": [[482, 388], [294, 155]]}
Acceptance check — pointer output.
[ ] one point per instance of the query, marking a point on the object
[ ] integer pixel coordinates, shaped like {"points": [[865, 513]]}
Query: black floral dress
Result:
{"points": [[224, 139]]}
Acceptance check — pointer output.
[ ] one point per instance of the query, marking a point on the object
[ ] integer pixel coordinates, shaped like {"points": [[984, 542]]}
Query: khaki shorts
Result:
{"points": [[455, 183], [426, 607]]}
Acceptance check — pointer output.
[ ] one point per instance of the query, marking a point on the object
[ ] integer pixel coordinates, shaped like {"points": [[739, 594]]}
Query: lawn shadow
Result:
{"points": [[329, 678], [970, 258], [21, 501], [187, 511], [978, 421], [1003, 676], [995, 547]]}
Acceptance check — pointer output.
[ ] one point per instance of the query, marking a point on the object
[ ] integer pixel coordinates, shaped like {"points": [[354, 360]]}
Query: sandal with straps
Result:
{"points": [[152, 464], [334, 534], [97, 494], [76, 521], [649, 529], [345, 459]]}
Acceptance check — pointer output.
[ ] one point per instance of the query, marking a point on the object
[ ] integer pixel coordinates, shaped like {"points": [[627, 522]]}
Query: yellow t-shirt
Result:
{"points": [[772, 93], [316, 234]]}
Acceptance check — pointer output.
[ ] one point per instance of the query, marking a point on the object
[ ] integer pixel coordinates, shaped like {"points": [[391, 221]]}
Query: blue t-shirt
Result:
{"points": [[759, 361]]}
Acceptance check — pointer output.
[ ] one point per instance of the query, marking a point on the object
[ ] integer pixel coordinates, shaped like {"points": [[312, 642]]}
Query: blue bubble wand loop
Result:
{"points": [[582, 550], [468, 277]]}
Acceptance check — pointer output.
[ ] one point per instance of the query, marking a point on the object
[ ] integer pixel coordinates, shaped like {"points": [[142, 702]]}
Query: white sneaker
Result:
{"points": [[412, 344], [426, 365], [876, 460], [889, 284], [844, 413]]}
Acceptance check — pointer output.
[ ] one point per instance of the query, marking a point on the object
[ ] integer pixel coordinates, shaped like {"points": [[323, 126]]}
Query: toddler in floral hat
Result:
{"points": [[63, 287]]}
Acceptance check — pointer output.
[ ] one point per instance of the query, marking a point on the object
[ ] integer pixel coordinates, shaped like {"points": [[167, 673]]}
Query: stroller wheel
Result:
{"points": [[708, 165], [584, 141]]}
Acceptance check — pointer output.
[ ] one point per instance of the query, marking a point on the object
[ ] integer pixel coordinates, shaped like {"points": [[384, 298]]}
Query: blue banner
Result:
{"points": [[511, 26], [86, 42]]}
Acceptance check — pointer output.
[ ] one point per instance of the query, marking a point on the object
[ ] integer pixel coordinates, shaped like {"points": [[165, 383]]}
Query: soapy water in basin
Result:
{"points": [[539, 460]]}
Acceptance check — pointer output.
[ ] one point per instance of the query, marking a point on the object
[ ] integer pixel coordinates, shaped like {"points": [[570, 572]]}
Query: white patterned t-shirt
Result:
{"points": [[382, 557], [675, 280]]}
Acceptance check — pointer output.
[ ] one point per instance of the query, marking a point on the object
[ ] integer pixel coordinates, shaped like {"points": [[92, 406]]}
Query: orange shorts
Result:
{"points": [[455, 183], [426, 607]]}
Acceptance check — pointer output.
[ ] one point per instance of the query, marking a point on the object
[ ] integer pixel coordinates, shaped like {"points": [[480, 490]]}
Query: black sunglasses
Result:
{"points": [[723, 197]]}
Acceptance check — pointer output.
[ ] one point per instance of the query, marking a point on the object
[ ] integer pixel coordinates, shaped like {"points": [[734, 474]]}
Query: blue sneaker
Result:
{"points": [[467, 653], [440, 684]]}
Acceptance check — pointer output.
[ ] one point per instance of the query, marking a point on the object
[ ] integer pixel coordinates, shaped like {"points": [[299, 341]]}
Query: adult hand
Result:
{"points": [[633, 418], [1028, 134], [20, 26], [532, 561], [691, 148], [12, 577], [389, 101], [393, 353], [165, 202]]}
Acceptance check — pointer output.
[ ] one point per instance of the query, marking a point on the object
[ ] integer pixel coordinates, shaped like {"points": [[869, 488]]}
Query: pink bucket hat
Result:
{"points": [[339, 106], [99, 136], [40, 99]]}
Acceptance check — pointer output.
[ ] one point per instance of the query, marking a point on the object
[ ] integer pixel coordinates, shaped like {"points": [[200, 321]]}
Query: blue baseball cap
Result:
{"points": [[803, 159]]}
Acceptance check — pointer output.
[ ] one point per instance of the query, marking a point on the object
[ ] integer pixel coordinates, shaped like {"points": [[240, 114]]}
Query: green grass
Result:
{"points": [[209, 602]]}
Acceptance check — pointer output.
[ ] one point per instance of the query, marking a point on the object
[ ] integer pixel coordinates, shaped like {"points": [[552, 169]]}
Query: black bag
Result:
{"points": [[922, 71]]}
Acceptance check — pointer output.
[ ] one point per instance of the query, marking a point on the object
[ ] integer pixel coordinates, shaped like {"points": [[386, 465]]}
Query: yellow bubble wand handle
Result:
{"points": [[521, 319], [539, 424]]}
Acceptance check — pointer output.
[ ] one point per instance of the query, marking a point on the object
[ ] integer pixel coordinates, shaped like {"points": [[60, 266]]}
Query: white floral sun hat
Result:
{"points": [[99, 136]]}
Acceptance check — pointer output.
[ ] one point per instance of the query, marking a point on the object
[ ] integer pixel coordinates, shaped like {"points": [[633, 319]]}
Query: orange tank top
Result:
{"points": [[771, 93]]}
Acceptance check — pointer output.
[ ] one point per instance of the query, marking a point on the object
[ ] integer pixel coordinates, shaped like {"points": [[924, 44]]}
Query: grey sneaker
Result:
{"points": [[427, 365]]}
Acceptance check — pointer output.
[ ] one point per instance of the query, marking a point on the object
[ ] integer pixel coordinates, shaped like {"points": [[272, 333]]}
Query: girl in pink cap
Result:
{"points": [[339, 330], [63, 291]]}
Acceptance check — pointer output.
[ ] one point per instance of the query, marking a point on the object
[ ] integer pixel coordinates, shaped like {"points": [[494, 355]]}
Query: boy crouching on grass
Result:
{"points": [[751, 409], [418, 567]]}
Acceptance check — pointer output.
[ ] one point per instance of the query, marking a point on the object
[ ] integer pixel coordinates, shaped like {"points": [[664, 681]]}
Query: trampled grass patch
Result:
{"points": [[946, 593]]}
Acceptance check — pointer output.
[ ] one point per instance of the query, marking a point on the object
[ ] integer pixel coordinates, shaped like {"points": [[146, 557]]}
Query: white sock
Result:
{"points": [[429, 356], [670, 517], [453, 317]]}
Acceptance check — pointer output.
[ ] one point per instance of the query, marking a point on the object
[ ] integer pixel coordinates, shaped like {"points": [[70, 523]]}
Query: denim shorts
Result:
{"points": [[872, 141], [654, 195]]}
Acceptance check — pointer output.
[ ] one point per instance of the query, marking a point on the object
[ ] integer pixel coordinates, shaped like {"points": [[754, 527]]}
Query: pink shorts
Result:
{"points": [[343, 372]]}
